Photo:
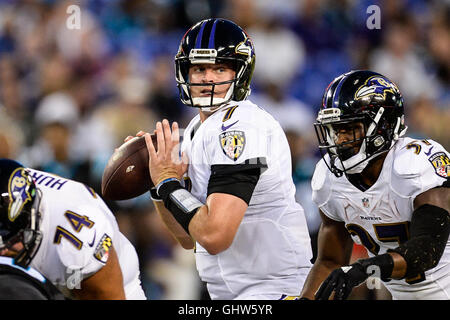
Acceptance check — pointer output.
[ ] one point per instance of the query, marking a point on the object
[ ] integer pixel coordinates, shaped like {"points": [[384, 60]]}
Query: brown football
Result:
{"points": [[126, 174]]}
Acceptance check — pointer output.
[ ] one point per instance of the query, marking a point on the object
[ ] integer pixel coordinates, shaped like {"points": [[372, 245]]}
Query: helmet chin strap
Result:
{"points": [[205, 101], [357, 163]]}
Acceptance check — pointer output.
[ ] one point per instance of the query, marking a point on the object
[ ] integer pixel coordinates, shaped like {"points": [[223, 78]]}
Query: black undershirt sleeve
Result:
{"points": [[236, 179], [429, 232]]}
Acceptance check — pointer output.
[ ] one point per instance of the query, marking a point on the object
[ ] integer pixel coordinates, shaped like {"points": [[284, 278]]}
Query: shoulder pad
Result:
{"points": [[414, 157], [79, 237], [320, 184], [406, 162], [419, 165]]}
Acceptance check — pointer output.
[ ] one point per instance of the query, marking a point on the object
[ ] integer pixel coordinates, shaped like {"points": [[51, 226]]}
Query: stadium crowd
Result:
{"points": [[68, 97]]}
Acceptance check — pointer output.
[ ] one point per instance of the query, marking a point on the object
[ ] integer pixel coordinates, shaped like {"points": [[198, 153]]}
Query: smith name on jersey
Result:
{"points": [[78, 230], [379, 217], [271, 251]]}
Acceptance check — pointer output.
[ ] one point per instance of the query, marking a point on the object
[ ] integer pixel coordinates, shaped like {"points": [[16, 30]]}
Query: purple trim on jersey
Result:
{"points": [[211, 36], [198, 41]]}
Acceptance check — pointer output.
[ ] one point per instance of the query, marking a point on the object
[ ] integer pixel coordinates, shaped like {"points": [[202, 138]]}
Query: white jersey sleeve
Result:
{"points": [[89, 251], [425, 164], [322, 191]]}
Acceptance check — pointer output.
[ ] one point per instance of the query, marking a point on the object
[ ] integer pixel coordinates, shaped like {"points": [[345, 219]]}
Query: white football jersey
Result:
{"points": [[271, 251], [379, 217], [78, 230]]}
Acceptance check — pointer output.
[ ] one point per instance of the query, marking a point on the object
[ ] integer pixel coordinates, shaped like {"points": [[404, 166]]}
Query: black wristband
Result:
{"points": [[384, 262], [180, 202], [167, 188]]}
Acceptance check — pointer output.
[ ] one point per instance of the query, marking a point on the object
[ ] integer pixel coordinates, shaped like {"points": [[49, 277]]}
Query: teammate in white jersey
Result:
{"points": [[384, 191], [238, 207], [63, 229]]}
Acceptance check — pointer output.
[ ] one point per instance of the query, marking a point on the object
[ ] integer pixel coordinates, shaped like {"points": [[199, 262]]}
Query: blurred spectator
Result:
{"points": [[296, 119], [398, 60], [126, 114], [280, 51], [56, 121], [10, 89], [292, 113], [439, 48], [11, 136], [168, 262], [163, 97], [426, 121], [88, 43], [243, 12]]}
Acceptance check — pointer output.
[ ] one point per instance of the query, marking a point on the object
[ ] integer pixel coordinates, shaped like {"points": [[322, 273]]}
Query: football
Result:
{"points": [[126, 174]]}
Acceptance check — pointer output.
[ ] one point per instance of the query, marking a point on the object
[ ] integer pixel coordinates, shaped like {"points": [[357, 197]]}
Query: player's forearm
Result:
{"points": [[215, 224], [399, 269], [201, 229], [173, 226], [429, 233], [209, 234], [319, 272]]}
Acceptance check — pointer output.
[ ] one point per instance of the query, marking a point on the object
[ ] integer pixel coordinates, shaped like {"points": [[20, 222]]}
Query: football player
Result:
{"points": [[380, 189], [17, 283], [232, 197], [63, 229]]}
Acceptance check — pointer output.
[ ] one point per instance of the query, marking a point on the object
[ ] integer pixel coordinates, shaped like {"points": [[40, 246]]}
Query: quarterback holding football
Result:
{"points": [[231, 196]]}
